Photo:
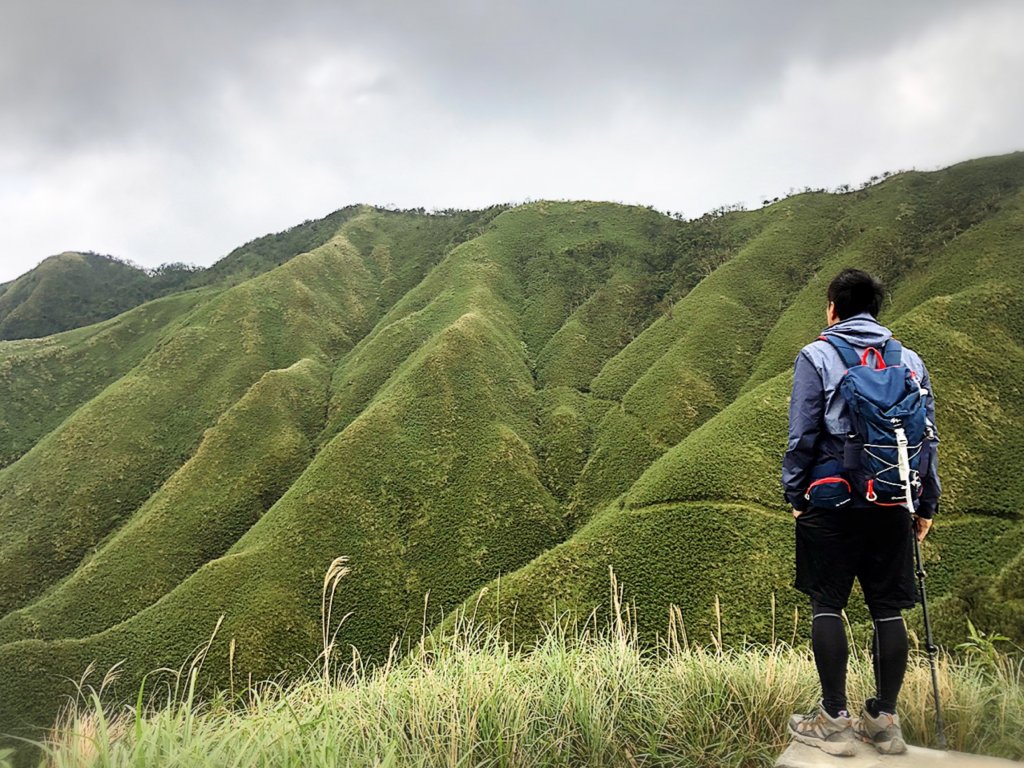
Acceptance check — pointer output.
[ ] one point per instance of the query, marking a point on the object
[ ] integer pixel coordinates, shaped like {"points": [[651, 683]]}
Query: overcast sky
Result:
{"points": [[175, 131]]}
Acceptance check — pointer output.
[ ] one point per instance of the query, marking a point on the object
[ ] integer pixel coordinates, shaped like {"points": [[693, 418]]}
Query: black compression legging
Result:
{"points": [[888, 653]]}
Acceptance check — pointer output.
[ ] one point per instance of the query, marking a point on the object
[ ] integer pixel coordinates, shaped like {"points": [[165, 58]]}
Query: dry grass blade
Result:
{"points": [[336, 571]]}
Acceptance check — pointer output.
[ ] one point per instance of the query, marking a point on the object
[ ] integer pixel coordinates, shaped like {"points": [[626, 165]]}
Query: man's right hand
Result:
{"points": [[922, 526]]}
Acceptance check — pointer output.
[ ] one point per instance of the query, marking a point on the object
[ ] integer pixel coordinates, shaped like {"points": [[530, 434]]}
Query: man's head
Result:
{"points": [[851, 292]]}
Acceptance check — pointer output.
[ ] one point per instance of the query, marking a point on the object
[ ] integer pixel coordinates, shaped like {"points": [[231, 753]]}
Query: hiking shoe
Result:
{"points": [[833, 735], [883, 732]]}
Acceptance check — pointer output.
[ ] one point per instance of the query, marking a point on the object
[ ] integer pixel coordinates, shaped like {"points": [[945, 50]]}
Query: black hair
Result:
{"points": [[854, 291]]}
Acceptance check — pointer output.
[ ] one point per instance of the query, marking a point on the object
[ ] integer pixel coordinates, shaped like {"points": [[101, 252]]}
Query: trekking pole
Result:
{"points": [[904, 468], [928, 643]]}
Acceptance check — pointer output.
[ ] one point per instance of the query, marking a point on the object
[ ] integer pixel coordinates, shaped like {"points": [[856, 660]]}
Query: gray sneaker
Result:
{"points": [[833, 735], [883, 732]]}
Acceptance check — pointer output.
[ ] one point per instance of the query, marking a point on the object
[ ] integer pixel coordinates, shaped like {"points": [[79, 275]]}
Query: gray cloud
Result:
{"points": [[80, 72], [175, 131]]}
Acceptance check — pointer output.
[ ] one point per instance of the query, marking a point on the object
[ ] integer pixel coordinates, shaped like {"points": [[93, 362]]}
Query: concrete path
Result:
{"points": [[802, 756]]}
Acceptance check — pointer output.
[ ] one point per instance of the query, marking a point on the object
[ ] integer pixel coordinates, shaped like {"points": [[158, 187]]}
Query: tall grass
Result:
{"points": [[582, 695]]}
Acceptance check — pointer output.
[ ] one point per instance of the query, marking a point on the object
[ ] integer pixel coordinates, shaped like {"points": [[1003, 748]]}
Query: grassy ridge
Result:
{"points": [[84, 478], [721, 324], [970, 337], [71, 289], [270, 251], [221, 348], [682, 554], [690, 362], [244, 463], [620, 451], [271, 625], [67, 291], [492, 408], [42, 381], [364, 491]]}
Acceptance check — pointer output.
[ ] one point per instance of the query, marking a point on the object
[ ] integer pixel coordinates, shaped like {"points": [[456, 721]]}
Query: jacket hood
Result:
{"points": [[860, 331]]}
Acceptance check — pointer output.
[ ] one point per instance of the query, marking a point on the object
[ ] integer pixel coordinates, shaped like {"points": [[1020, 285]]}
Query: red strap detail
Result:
{"points": [[873, 497], [878, 356], [822, 338], [824, 480]]}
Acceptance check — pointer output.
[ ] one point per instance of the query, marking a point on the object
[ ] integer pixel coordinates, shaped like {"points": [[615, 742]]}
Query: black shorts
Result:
{"points": [[875, 545]]}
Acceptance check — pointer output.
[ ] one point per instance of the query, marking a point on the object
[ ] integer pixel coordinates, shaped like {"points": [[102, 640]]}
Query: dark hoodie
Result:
{"points": [[818, 418]]}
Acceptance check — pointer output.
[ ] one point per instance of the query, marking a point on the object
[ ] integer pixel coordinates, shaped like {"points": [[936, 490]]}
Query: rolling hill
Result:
{"points": [[70, 290], [487, 410]]}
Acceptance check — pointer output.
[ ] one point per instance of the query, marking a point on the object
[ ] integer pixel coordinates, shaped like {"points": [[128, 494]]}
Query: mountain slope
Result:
{"points": [[75, 289], [958, 303], [534, 394], [42, 381], [72, 289]]}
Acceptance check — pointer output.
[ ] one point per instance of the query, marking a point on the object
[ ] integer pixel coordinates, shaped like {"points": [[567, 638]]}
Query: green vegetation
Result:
{"points": [[486, 410], [75, 289], [43, 381], [72, 289], [579, 696], [244, 463], [968, 325]]}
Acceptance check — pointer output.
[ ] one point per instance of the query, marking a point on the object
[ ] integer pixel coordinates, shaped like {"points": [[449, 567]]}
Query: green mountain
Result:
{"points": [[487, 410], [70, 290], [73, 289]]}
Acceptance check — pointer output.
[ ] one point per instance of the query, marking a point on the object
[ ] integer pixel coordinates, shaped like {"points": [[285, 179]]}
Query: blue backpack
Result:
{"points": [[882, 458]]}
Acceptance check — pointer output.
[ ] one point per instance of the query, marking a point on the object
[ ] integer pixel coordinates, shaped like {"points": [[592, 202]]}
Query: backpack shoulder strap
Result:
{"points": [[892, 353], [846, 352]]}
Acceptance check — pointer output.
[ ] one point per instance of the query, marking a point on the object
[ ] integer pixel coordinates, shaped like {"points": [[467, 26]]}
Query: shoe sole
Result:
{"points": [[892, 747], [835, 748]]}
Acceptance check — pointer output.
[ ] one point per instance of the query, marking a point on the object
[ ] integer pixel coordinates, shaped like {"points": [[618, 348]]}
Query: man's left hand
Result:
{"points": [[796, 513]]}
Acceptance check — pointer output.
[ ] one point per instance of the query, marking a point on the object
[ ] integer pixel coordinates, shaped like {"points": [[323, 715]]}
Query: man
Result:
{"points": [[855, 538]]}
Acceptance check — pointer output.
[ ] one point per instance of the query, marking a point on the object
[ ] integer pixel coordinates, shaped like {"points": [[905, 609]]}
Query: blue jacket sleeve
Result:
{"points": [[806, 420], [931, 487]]}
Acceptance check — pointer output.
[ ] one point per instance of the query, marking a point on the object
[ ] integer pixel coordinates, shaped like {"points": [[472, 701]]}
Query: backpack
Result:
{"points": [[884, 457]]}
